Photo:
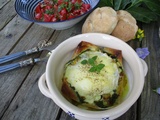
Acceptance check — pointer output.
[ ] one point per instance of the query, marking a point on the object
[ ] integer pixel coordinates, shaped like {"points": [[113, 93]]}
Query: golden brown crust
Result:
{"points": [[83, 46], [115, 52], [68, 92]]}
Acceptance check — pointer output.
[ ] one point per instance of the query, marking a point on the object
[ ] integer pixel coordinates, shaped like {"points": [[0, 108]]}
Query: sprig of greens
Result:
{"points": [[142, 10], [95, 67]]}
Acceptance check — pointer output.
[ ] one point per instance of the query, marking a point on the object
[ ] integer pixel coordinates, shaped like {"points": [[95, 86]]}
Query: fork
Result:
{"points": [[30, 61], [41, 46]]}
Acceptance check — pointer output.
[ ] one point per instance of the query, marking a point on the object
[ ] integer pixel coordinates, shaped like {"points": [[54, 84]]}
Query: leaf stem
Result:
{"points": [[134, 4]]}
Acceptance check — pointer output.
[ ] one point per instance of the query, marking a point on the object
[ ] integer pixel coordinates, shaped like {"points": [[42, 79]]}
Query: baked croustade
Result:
{"points": [[101, 20], [126, 28], [94, 78]]}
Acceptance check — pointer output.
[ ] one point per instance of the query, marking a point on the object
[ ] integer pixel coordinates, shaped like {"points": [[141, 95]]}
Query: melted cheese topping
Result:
{"points": [[92, 85]]}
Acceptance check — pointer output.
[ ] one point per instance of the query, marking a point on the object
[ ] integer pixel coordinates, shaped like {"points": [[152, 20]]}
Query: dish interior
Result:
{"points": [[63, 53], [63, 56]]}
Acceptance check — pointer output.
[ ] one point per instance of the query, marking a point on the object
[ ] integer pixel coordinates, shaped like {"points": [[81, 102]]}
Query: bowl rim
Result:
{"points": [[58, 22], [124, 106]]}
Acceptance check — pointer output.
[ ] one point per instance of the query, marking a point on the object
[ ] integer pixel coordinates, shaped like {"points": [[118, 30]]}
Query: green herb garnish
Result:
{"points": [[84, 62], [95, 67], [49, 12]]}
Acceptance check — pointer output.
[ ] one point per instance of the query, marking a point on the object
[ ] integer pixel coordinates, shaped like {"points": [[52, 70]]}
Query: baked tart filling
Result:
{"points": [[94, 78]]}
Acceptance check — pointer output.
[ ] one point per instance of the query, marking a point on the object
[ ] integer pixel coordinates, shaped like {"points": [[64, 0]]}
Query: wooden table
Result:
{"points": [[20, 98]]}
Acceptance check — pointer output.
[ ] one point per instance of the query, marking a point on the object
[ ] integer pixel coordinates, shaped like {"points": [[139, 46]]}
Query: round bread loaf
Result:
{"points": [[101, 20], [126, 28]]}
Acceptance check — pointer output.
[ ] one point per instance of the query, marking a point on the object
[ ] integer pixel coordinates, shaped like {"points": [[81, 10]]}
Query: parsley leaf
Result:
{"points": [[92, 62], [84, 62], [100, 66], [93, 69], [94, 58]]}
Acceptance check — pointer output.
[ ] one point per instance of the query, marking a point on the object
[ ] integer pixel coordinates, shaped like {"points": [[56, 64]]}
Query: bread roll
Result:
{"points": [[126, 28], [101, 20]]}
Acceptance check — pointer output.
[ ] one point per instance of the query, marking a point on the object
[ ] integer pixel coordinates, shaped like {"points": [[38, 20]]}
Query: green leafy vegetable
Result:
{"points": [[117, 4], [106, 3], [145, 15], [142, 10], [92, 62], [154, 6]]}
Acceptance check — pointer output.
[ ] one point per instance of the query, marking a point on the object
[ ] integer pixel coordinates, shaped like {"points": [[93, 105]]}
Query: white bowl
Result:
{"points": [[135, 68]]}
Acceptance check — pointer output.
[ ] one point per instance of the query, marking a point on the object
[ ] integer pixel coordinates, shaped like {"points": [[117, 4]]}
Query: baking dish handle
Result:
{"points": [[43, 86], [145, 67]]}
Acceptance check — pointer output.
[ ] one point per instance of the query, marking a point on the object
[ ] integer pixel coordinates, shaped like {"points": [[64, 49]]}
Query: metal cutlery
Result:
{"points": [[30, 61], [42, 45]]}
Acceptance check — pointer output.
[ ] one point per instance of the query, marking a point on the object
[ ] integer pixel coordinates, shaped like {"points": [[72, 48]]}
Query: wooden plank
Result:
{"points": [[25, 91], [65, 34], [131, 114], [3, 3], [11, 33], [150, 109], [7, 13], [65, 116], [32, 37], [29, 103], [12, 80]]}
